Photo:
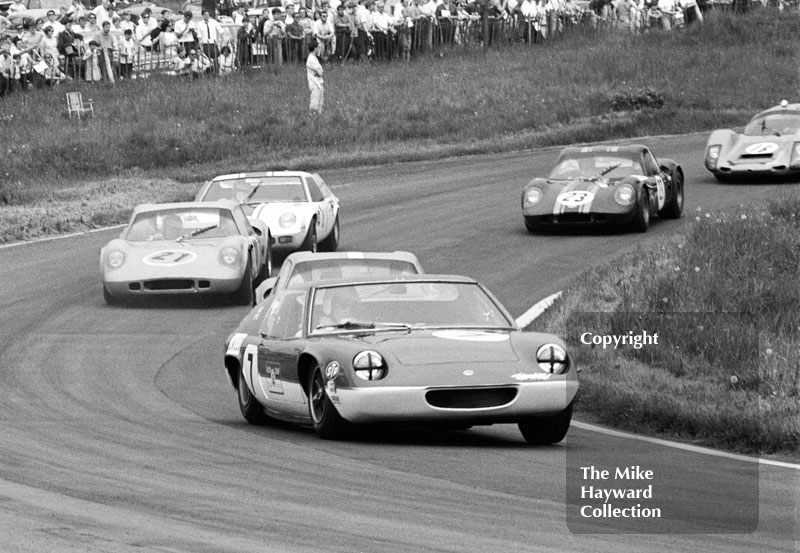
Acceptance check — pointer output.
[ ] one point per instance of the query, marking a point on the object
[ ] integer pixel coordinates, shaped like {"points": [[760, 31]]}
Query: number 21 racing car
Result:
{"points": [[616, 185]]}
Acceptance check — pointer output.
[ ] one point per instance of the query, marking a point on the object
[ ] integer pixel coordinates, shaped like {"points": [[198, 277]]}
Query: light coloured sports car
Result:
{"points": [[300, 268], [769, 146], [621, 185], [422, 349], [187, 248], [301, 211]]}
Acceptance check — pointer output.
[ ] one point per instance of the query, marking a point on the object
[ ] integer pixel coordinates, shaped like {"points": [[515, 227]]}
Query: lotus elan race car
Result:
{"points": [[187, 248], [301, 211], [769, 146], [414, 349], [618, 185], [303, 267]]}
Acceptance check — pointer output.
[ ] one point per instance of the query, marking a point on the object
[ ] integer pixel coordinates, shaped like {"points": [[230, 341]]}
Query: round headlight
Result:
{"points": [[552, 358], [532, 196], [229, 256], [115, 259], [712, 156], [287, 220], [369, 365], [625, 194]]}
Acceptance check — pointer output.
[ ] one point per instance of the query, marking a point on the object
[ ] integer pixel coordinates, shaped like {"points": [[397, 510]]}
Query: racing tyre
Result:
{"points": [[266, 269], [642, 219], [674, 209], [531, 225], [546, 430], [328, 424], [111, 300], [310, 243], [251, 409], [331, 243], [245, 294]]}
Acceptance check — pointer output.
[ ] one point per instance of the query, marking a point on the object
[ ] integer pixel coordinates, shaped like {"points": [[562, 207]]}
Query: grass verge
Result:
{"points": [[725, 299], [582, 87]]}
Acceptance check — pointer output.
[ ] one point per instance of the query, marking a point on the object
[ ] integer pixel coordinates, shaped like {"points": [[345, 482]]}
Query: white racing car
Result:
{"points": [[301, 211]]}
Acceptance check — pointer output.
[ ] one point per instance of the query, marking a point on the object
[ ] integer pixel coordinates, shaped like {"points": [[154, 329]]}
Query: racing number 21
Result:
{"points": [[170, 257]]}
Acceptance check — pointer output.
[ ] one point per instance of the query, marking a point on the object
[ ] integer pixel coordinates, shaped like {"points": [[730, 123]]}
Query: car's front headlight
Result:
{"points": [[625, 194], [369, 365], [712, 156], [115, 259], [229, 256], [552, 358], [286, 220], [532, 196], [794, 161]]}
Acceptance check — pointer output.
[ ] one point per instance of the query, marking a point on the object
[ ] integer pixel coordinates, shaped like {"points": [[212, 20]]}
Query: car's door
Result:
{"points": [[276, 382]]}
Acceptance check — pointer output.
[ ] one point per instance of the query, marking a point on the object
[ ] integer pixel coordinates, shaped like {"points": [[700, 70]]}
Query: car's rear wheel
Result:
{"points": [[546, 430], [331, 243], [328, 424], [245, 295], [674, 209], [642, 219], [310, 243], [251, 409]]}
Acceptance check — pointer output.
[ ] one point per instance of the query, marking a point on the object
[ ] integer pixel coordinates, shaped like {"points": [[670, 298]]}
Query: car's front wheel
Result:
{"points": [[642, 219], [331, 243], [251, 409], [546, 430], [674, 209], [328, 424], [310, 243]]}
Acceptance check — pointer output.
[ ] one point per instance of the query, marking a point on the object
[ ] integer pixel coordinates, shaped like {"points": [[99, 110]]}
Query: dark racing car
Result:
{"points": [[617, 185]]}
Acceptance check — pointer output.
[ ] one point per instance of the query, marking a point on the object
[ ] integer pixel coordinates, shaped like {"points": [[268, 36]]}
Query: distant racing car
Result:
{"points": [[617, 185], [299, 208], [187, 248], [421, 349], [303, 267], [769, 146]]}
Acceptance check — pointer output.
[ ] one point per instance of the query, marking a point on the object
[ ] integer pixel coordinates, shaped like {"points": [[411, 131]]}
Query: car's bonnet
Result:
{"points": [[449, 346]]}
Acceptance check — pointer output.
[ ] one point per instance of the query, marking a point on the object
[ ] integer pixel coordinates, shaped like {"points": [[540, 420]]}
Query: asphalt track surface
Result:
{"points": [[119, 432]]}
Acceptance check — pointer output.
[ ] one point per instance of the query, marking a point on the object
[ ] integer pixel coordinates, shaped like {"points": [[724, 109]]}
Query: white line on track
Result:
{"points": [[51, 238], [540, 307]]}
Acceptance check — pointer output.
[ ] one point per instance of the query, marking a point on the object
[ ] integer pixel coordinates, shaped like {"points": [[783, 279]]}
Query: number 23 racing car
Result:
{"points": [[616, 185], [414, 349]]}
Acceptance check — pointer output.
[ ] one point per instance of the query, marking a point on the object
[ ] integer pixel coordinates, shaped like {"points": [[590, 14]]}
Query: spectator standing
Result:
{"points": [[128, 48], [297, 39], [622, 10], [315, 82], [91, 23], [9, 72], [274, 33], [16, 6], [186, 30], [101, 12], [168, 41], [323, 31], [53, 21], [144, 30], [76, 10], [127, 22], [404, 25], [342, 27], [245, 37], [33, 35], [209, 32], [91, 60], [108, 49]]}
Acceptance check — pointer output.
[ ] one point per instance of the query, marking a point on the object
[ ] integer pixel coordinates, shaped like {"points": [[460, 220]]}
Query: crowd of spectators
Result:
{"points": [[109, 42]]}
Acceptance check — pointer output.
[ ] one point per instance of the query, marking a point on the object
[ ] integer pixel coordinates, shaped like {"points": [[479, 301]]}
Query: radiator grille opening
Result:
{"points": [[470, 398], [169, 284]]}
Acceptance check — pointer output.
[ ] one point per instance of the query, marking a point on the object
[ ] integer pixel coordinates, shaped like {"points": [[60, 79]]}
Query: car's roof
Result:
{"points": [[454, 279], [605, 148], [259, 174], [793, 109], [304, 257], [223, 204]]}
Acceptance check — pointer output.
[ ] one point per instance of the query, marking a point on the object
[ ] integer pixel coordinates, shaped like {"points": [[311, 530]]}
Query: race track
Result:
{"points": [[119, 432]]}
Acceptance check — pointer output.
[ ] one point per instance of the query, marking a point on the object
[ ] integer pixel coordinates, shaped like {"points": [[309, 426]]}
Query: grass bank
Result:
{"points": [[585, 86], [725, 300]]}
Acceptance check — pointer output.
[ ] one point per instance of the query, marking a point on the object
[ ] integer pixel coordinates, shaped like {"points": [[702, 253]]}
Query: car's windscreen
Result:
{"points": [[437, 304], [774, 124], [257, 190], [334, 269], [181, 224], [609, 165]]}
